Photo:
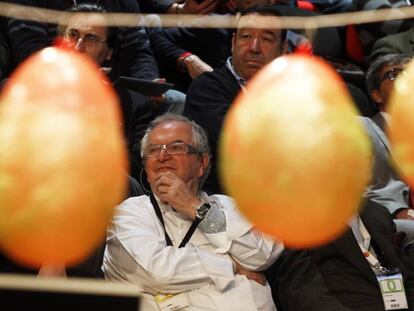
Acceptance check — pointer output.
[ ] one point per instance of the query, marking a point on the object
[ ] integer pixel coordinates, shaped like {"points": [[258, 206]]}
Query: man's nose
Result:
{"points": [[163, 155], [255, 45], [80, 47]]}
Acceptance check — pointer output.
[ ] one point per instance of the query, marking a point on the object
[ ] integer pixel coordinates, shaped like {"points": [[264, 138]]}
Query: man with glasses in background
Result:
{"points": [[188, 250], [86, 32], [89, 34], [387, 188], [28, 36], [98, 43]]}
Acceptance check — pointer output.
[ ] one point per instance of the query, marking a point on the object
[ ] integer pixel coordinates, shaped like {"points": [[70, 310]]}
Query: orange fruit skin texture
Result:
{"points": [[62, 159], [401, 129], [293, 154]]}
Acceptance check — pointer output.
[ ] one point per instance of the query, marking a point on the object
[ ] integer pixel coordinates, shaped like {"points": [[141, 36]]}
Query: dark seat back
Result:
{"points": [[362, 102]]}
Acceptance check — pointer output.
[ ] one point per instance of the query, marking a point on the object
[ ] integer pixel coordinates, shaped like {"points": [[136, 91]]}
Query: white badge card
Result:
{"points": [[393, 292], [172, 302]]}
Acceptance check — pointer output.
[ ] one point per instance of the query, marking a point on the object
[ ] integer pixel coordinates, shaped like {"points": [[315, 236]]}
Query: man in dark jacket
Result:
{"points": [[212, 93], [370, 33], [4, 57], [98, 43], [135, 56], [340, 276]]}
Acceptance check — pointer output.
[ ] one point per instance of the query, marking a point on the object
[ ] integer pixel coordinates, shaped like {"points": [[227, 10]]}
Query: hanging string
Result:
{"points": [[212, 21]]}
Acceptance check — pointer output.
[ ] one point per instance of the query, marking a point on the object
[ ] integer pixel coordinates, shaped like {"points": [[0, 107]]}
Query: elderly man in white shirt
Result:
{"points": [[186, 249]]}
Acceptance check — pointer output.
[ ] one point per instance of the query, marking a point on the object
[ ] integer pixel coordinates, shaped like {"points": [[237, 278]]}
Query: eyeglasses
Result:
{"points": [[392, 74], [175, 148], [88, 39]]}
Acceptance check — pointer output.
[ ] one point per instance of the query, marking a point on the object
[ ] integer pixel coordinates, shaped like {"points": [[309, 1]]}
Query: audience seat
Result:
{"points": [[362, 101]]}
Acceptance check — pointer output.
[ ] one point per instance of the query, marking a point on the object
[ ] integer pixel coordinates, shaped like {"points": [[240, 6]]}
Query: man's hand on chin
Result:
{"points": [[179, 195]]}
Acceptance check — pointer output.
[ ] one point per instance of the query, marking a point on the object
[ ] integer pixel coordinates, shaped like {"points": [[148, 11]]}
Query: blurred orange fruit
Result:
{"points": [[293, 154], [401, 129], [63, 162]]}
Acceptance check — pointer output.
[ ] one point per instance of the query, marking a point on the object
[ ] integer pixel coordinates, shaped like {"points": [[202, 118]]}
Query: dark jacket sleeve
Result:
{"points": [[198, 41], [26, 37], [297, 284], [135, 54], [166, 52], [208, 100], [137, 113], [156, 6], [4, 56]]}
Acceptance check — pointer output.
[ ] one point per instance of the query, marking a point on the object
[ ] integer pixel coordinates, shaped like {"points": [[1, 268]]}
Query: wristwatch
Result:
{"points": [[202, 210]]}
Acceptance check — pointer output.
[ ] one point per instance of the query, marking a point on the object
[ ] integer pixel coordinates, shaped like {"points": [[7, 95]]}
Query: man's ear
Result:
{"points": [[205, 161], [285, 47], [233, 42], [376, 96], [108, 55]]}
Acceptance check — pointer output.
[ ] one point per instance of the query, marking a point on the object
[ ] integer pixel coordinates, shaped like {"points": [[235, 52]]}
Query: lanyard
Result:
{"points": [[364, 246], [189, 233]]}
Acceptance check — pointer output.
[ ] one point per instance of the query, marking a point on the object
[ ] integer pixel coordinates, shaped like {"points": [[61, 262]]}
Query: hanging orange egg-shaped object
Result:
{"points": [[293, 154], [63, 162]]}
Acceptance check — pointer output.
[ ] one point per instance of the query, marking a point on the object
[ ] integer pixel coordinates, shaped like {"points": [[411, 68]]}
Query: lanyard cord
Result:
{"points": [[189, 233], [364, 245]]}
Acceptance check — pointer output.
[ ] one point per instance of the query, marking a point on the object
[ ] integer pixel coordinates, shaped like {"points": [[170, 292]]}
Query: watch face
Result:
{"points": [[202, 211]]}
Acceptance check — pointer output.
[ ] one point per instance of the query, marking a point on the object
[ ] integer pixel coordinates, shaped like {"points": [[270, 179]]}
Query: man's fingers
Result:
{"points": [[256, 276], [231, 5], [162, 185], [159, 80], [192, 182], [163, 188], [208, 8], [205, 5], [260, 278], [165, 175]]}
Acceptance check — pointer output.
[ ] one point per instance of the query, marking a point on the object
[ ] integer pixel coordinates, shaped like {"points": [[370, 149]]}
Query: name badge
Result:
{"points": [[172, 302], [393, 292]]}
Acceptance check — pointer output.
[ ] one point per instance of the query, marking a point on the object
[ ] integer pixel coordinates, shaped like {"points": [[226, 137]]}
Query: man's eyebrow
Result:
{"points": [[87, 33], [174, 141], [266, 31], [270, 32]]}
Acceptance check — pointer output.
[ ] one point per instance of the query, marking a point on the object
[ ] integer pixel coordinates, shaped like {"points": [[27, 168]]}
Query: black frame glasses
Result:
{"points": [[88, 39], [392, 74], [174, 148]]}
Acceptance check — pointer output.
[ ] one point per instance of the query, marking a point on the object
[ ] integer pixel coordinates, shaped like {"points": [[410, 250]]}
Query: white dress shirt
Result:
{"points": [[136, 252]]}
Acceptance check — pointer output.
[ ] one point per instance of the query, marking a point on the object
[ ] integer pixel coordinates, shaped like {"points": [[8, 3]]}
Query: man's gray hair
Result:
{"points": [[199, 137]]}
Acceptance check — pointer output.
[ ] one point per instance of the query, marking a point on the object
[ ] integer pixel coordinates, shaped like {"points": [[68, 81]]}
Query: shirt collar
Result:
{"points": [[165, 207], [386, 117], [241, 81]]}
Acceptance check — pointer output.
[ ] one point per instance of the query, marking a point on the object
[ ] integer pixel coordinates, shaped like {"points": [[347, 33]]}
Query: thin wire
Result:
{"points": [[213, 21], [141, 181]]}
